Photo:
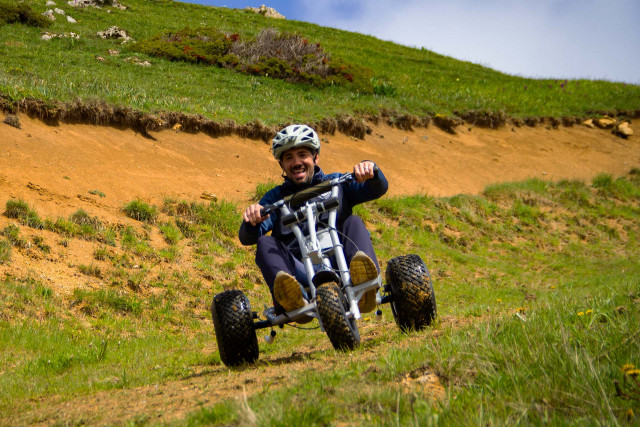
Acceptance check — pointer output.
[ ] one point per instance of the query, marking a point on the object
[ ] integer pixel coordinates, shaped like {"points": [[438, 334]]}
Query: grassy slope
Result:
{"points": [[425, 82], [562, 256], [538, 287]]}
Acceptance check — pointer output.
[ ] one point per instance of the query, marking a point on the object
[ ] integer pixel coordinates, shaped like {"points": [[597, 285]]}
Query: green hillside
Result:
{"points": [[394, 79]]}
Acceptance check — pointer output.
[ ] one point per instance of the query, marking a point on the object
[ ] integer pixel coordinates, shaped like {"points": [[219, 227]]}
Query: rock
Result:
{"points": [[605, 122], [209, 196], [269, 12], [49, 36], [114, 33], [50, 3], [588, 123], [12, 120], [96, 3], [49, 15], [71, 20], [59, 11], [114, 52], [623, 130]]}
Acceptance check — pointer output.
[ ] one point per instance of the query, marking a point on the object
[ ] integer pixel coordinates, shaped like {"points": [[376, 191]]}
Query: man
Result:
{"points": [[297, 149]]}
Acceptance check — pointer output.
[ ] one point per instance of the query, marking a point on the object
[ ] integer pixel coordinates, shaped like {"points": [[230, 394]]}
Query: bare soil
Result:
{"points": [[61, 169]]}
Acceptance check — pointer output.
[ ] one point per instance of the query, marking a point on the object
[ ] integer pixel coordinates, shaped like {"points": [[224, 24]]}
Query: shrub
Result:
{"points": [[286, 56], [21, 13], [202, 45], [141, 211]]}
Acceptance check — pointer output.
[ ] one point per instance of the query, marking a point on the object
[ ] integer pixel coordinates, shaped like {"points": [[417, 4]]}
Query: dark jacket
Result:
{"points": [[351, 193]]}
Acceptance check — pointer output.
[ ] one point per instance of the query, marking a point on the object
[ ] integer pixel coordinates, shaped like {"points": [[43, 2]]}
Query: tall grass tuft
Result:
{"points": [[141, 211], [5, 252], [19, 209]]}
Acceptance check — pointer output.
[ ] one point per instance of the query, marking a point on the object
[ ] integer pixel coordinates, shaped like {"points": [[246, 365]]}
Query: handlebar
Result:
{"points": [[309, 193]]}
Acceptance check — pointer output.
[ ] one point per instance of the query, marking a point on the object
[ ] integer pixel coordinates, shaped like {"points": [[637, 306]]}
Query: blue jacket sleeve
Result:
{"points": [[248, 233], [371, 189]]}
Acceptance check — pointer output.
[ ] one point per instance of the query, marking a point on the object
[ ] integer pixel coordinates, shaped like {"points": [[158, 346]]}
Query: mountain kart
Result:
{"points": [[333, 299]]}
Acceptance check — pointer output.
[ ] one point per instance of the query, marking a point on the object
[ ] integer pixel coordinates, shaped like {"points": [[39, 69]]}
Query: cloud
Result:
{"points": [[547, 38]]}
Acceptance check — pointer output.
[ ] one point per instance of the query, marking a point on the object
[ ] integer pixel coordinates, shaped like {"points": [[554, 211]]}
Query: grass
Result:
{"points": [[141, 211], [20, 210], [5, 252], [538, 291], [421, 82]]}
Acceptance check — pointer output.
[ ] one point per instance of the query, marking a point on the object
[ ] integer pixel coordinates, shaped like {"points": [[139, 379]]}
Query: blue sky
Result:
{"points": [[593, 39]]}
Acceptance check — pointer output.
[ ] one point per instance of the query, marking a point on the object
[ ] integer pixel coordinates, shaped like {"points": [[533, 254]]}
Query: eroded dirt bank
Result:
{"points": [[63, 168]]}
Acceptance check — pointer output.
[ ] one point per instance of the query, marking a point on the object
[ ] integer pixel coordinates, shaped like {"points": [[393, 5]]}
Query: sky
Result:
{"points": [[572, 39]]}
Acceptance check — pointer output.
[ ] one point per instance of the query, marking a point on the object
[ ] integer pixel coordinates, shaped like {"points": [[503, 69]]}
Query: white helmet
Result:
{"points": [[295, 136]]}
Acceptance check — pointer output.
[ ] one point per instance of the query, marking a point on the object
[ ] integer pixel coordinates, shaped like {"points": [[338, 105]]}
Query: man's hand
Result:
{"points": [[364, 171], [252, 214]]}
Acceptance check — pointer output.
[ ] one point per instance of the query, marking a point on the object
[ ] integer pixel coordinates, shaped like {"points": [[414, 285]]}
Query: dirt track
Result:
{"points": [[54, 169]]}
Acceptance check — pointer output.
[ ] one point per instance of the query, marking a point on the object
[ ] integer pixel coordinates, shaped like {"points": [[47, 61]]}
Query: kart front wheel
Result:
{"points": [[413, 302], [233, 324], [342, 331]]}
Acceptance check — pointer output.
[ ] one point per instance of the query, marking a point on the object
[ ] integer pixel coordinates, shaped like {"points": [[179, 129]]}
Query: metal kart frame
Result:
{"points": [[317, 248]]}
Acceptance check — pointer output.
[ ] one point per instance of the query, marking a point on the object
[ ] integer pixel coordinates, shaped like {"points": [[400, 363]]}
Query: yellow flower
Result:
{"points": [[589, 311], [498, 299], [633, 372], [580, 313], [627, 367], [520, 309]]}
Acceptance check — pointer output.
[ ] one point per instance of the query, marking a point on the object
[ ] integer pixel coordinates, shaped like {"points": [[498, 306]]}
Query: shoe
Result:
{"points": [[362, 269], [287, 291]]}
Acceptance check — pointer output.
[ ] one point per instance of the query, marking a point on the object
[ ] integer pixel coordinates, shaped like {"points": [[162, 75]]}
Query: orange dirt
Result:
{"points": [[54, 169]]}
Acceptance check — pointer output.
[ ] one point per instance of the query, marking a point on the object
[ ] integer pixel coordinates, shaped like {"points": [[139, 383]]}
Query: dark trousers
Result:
{"points": [[273, 256]]}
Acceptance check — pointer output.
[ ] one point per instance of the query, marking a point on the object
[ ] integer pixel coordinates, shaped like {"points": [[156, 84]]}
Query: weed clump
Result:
{"points": [[20, 13], [261, 189], [93, 302], [141, 211], [5, 252], [20, 210], [620, 188]]}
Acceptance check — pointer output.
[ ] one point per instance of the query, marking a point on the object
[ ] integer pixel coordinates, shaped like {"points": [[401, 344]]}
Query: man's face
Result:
{"points": [[298, 164]]}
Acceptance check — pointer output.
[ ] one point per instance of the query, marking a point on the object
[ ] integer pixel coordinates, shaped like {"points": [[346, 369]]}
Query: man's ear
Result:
{"points": [[315, 158]]}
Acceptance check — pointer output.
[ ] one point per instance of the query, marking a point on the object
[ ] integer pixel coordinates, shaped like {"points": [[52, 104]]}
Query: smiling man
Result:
{"points": [[297, 149]]}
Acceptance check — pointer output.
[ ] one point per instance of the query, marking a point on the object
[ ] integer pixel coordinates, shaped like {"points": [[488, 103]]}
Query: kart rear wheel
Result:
{"points": [[233, 324], [343, 332], [413, 301]]}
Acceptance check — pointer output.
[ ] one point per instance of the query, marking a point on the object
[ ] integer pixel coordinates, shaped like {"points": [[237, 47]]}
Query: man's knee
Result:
{"points": [[265, 245]]}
